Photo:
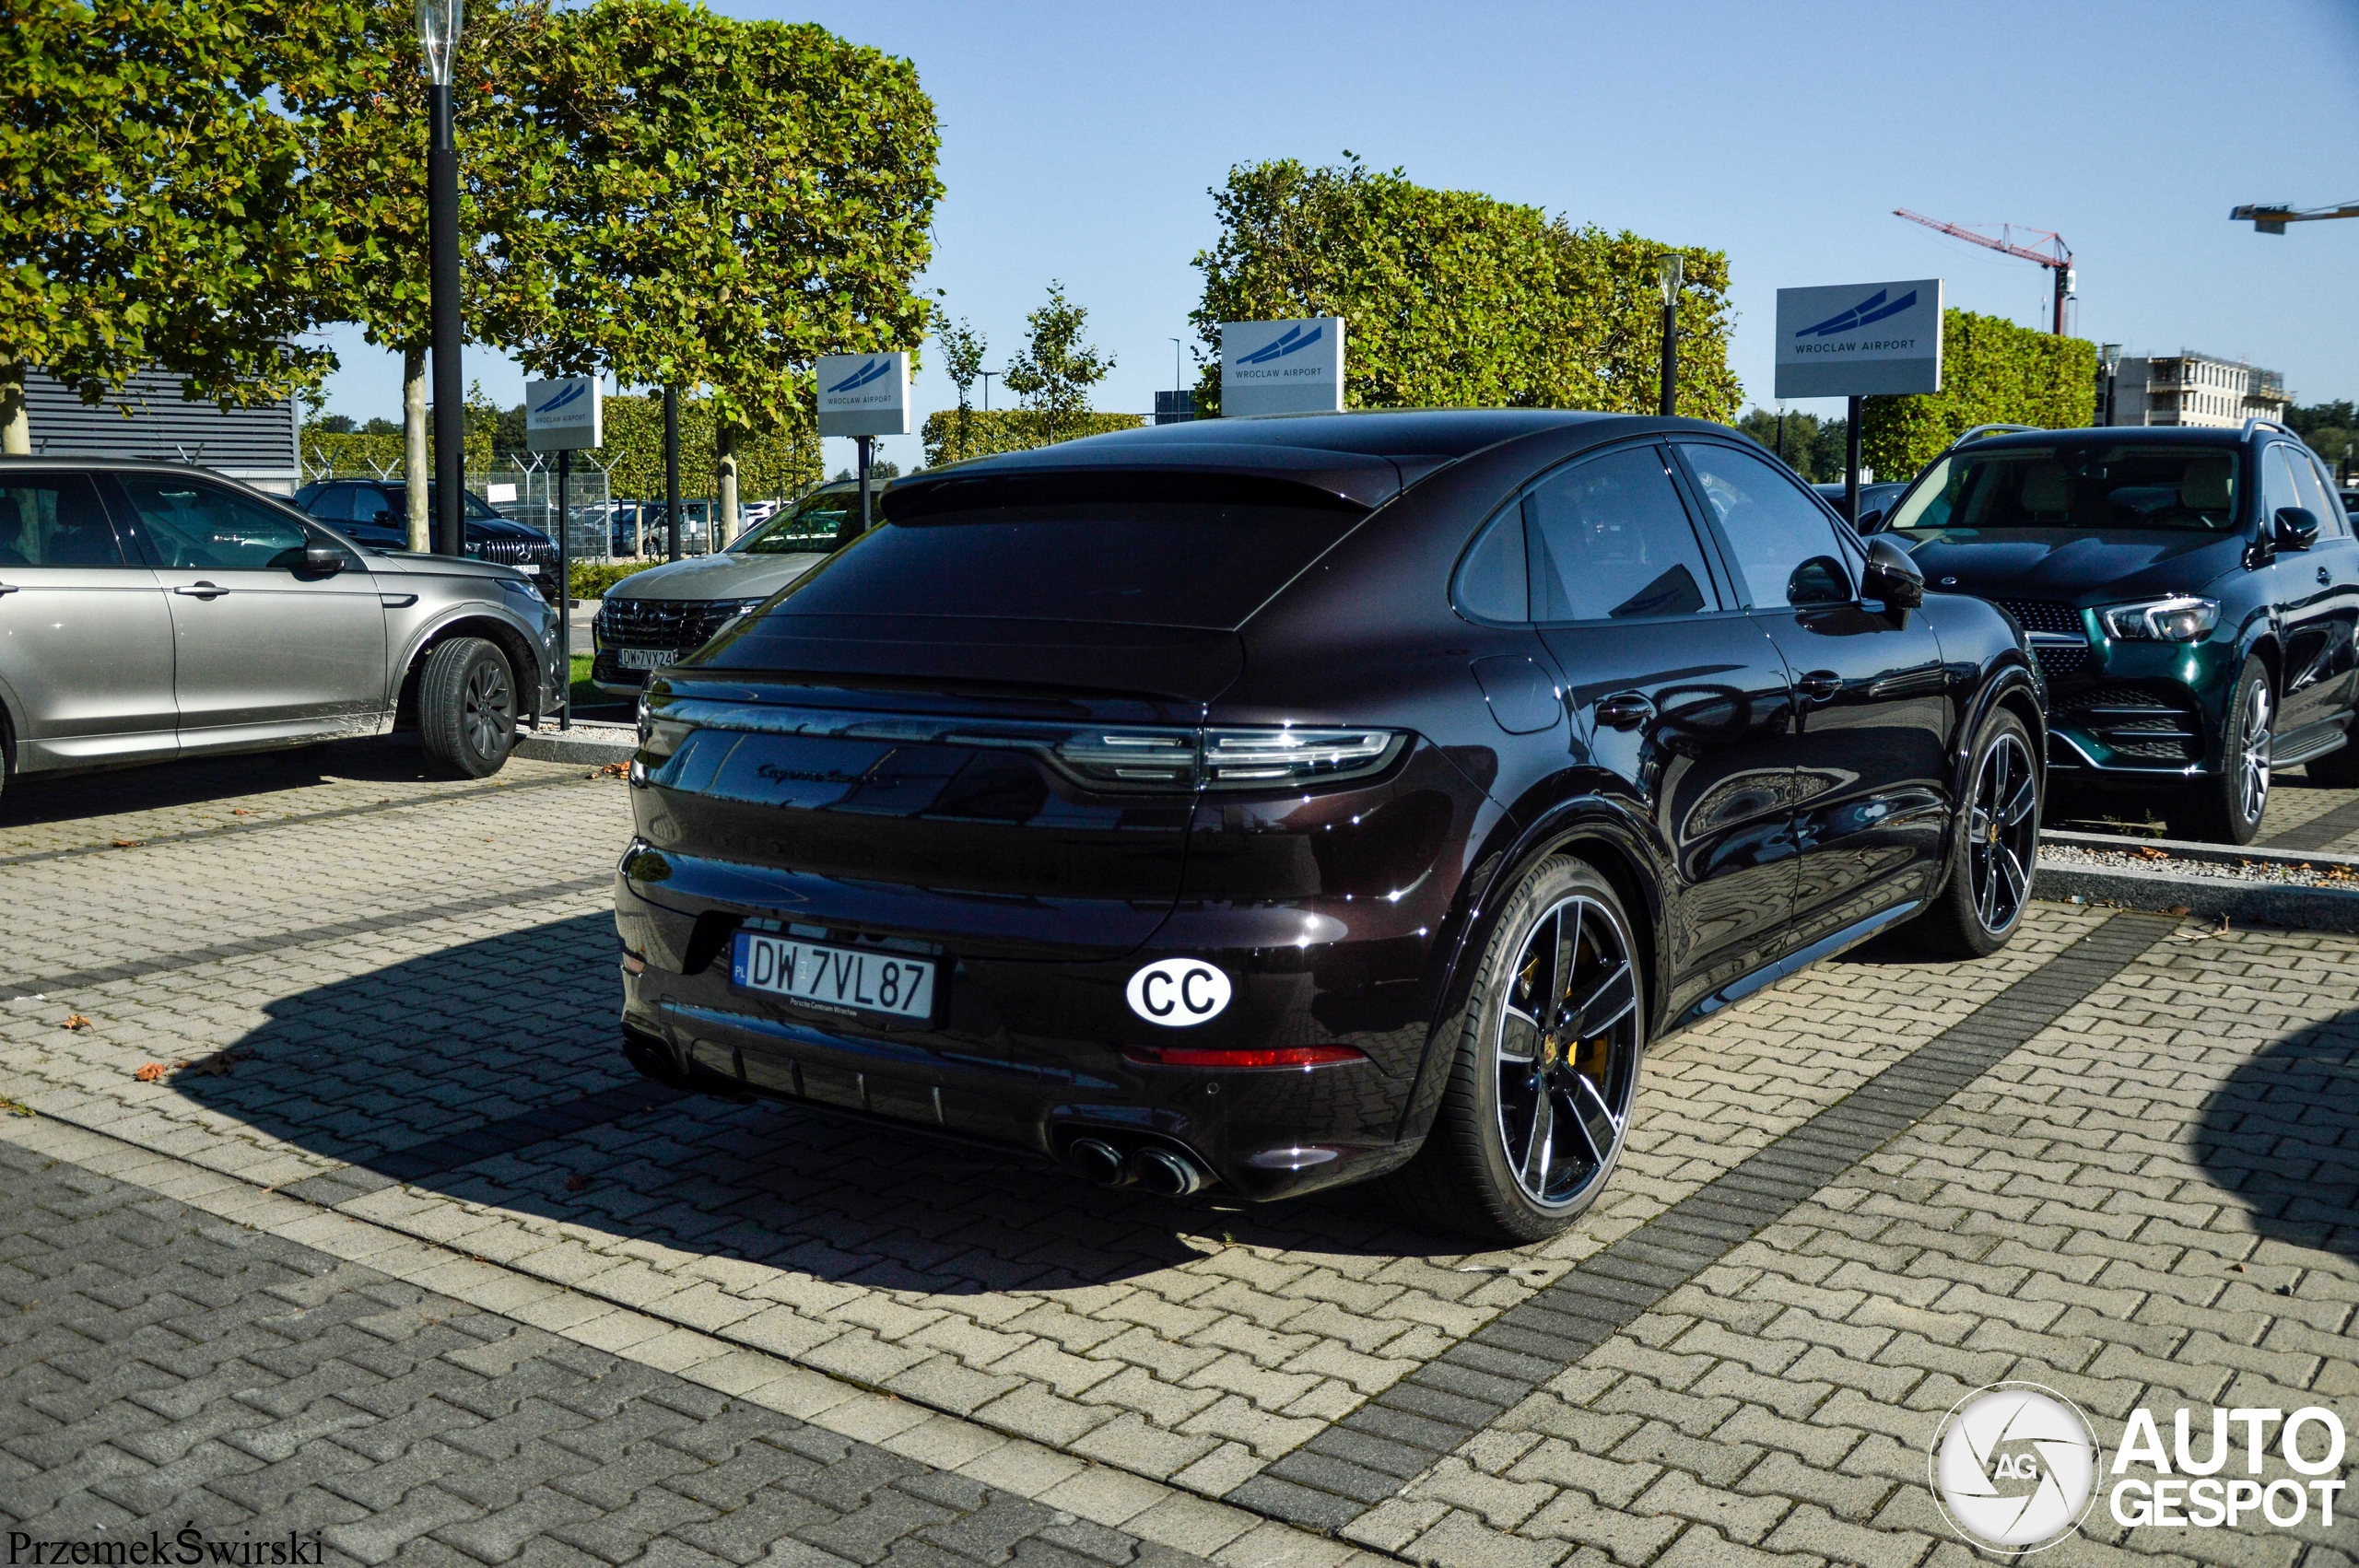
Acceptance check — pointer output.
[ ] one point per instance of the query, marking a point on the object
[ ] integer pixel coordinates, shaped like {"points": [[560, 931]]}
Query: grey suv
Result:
{"points": [[149, 610]]}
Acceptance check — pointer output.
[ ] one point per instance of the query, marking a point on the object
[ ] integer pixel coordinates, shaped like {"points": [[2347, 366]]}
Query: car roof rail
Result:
{"points": [[1981, 431], [2257, 423]]}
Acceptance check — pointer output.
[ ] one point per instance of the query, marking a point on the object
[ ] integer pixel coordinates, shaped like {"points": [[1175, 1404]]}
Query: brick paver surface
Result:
{"points": [[405, 1015], [2300, 814]]}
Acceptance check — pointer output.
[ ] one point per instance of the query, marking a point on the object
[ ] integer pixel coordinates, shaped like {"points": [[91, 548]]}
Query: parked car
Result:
{"points": [[652, 618], [152, 610], [1270, 805], [2192, 596], [375, 512], [1875, 500]]}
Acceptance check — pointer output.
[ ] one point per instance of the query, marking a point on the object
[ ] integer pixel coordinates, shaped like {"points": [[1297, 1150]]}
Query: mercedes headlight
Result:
{"points": [[2180, 618]]}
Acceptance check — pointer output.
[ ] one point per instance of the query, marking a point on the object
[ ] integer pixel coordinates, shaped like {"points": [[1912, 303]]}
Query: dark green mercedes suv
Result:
{"points": [[2190, 595]]}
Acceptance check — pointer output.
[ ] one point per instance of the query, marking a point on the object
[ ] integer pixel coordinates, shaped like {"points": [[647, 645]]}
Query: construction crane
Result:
{"points": [[2057, 256], [2270, 217]]}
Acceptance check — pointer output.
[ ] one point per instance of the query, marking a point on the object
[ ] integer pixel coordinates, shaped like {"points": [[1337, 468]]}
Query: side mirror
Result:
{"points": [[325, 560], [1893, 576], [2297, 528]]}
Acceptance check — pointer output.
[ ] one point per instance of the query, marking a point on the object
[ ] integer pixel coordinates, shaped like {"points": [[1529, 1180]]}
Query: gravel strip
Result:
{"points": [[2296, 874]]}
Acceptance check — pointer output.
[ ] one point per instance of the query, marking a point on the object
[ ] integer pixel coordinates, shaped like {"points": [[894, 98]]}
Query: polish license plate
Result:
{"points": [[838, 979], [645, 658]]}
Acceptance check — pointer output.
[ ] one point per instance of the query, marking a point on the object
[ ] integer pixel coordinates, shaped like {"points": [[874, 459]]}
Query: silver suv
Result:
{"points": [[149, 610]]}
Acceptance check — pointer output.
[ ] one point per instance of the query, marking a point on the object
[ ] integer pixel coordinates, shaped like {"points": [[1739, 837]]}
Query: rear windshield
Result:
{"points": [[814, 523], [2082, 485], [1186, 563]]}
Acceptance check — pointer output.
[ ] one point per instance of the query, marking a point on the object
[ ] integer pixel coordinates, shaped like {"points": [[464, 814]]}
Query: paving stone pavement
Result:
{"points": [[469, 1012], [2300, 816], [164, 1370]]}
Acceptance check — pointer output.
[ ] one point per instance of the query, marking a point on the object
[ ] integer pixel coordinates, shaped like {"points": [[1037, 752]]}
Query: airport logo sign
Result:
{"points": [[864, 394], [1282, 366], [1859, 339], [564, 415]]}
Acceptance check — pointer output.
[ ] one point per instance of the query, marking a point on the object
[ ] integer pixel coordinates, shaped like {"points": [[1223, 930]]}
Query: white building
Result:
{"points": [[2186, 388]]}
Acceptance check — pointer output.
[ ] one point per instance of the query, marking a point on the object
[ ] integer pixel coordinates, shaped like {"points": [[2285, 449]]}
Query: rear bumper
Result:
{"points": [[1029, 1053]]}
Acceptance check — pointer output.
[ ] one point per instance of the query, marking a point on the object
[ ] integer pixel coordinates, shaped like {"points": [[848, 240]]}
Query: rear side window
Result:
{"points": [[1609, 539], [2315, 496], [198, 528], [1123, 558], [54, 521]]}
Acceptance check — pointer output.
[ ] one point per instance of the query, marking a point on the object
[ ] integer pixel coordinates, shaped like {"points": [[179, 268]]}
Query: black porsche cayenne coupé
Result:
{"points": [[1271, 803]]}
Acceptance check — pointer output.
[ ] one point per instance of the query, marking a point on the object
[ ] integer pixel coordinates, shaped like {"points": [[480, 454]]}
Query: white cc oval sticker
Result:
{"points": [[1177, 992]]}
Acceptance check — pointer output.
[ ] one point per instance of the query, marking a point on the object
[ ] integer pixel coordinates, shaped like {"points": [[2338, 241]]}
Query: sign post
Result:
{"points": [[564, 416], [1859, 340], [865, 396], [1282, 366]]}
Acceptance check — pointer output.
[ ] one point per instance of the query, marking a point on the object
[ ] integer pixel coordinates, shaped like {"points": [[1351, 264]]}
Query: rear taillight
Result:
{"points": [[1279, 758], [1251, 1057]]}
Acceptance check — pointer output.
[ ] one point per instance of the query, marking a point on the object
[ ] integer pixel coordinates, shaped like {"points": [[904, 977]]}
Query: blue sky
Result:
{"points": [[1079, 142]]}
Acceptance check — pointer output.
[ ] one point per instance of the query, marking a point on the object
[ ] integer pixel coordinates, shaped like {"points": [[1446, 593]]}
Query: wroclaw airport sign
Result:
{"points": [[864, 394], [1282, 366], [1859, 339]]}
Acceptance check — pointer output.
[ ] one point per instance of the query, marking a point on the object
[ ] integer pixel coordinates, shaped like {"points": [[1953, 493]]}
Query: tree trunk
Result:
{"points": [[724, 455], [16, 429], [415, 469]]}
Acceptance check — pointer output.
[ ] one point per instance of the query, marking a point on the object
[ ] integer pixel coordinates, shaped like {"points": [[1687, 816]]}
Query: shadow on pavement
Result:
{"points": [[483, 1032], [47, 798], [2283, 1136]]}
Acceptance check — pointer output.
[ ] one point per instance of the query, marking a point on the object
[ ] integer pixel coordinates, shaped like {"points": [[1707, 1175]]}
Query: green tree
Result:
{"points": [[1054, 374], [1453, 298], [736, 200], [962, 360], [1993, 372], [2330, 428], [990, 430], [369, 144], [1813, 447], [162, 206]]}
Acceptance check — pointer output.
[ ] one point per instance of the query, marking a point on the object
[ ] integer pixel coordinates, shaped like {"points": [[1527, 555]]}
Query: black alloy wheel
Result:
{"points": [[1546, 1071], [467, 710], [1994, 851], [2002, 834], [1567, 1065]]}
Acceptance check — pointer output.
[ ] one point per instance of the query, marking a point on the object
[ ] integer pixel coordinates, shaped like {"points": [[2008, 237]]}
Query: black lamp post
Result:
{"points": [[1671, 269], [438, 30]]}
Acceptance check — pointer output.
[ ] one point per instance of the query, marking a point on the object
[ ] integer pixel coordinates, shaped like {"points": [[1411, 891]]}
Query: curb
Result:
{"points": [[2203, 897], [598, 743]]}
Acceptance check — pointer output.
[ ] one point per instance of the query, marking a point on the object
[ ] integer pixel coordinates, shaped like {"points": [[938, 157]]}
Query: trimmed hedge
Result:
{"points": [[591, 579], [1993, 372], [1010, 430]]}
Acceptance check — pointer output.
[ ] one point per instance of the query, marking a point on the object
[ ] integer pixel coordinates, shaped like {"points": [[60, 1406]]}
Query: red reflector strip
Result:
{"points": [[1281, 1056]]}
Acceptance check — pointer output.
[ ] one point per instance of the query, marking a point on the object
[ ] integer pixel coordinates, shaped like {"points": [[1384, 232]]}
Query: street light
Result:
{"points": [[2111, 354], [1671, 268], [438, 31]]}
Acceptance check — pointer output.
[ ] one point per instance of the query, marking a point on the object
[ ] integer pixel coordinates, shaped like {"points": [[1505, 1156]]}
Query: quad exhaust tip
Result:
{"points": [[1100, 1163], [1166, 1173]]}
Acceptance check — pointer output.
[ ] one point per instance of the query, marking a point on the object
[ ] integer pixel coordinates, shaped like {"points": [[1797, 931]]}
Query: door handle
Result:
{"points": [[201, 590], [1820, 685], [1625, 710], [8, 588]]}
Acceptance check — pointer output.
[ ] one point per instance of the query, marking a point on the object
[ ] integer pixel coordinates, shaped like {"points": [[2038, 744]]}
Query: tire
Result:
{"points": [[1994, 845], [2227, 807], [1498, 1164], [467, 708]]}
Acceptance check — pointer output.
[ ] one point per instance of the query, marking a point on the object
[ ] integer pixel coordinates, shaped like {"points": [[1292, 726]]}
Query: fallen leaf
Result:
{"points": [[126, 843], [2150, 853], [2175, 910], [149, 1072], [76, 1021], [16, 1108], [240, 811], [576, 1184], [614, 769]]}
